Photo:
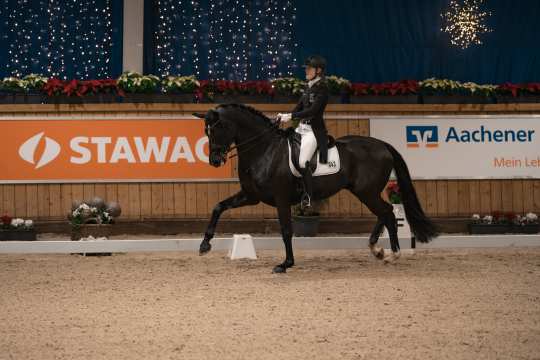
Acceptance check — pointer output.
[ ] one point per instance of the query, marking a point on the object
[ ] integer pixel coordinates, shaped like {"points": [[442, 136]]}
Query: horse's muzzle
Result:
{"points": [[217, 159]]}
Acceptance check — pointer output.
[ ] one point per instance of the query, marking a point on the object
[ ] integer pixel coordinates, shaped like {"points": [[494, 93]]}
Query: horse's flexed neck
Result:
{"points": [[254, 131]]}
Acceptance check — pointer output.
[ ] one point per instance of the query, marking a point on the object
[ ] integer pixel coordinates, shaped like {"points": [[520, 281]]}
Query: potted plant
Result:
{"points": [[398, 92], [138, 88], [17, 229], [518, 93], [22, 91], [179, 89], [445, 91], [287, 90], [305, 221], [63, 91], [254, 92], [92, 218], [527, 224], [496, 223], [339, 89]]}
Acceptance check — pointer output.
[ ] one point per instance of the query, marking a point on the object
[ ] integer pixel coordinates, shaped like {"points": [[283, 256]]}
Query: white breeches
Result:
{"points": [[308, 145]]}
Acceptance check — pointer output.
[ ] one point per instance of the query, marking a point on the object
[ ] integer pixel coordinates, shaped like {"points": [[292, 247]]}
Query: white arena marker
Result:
{"points": [[243, 247]]}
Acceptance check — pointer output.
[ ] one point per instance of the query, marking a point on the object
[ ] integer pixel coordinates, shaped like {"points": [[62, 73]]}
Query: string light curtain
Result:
{"points": [[220, 39], [66, 39]]}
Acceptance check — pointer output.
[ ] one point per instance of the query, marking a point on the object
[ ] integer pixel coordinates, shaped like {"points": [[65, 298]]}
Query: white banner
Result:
{"points": [[464, 147]]}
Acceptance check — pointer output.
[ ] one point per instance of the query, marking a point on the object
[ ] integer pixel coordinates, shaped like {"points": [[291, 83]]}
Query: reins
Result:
{"points": [[253, 138]]}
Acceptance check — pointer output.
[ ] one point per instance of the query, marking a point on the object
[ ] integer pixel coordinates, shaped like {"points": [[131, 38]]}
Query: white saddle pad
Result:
{"points": [[329, 168]]}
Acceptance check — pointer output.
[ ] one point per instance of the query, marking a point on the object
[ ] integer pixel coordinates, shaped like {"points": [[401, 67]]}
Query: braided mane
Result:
{"points": [[249, 109]]}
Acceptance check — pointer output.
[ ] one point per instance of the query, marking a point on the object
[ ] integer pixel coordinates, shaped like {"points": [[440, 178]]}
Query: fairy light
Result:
{"points": [[177, 37], [240, 39], [465, 22], [66, 39], [228, 34], [274, 43]]}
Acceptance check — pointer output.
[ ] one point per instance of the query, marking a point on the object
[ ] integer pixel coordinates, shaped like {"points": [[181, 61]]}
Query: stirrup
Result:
{"points": [[306, 201]]}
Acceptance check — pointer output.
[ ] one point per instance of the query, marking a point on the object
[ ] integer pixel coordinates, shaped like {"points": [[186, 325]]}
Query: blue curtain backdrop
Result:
{"points": [[387, 40], [60, 38]]}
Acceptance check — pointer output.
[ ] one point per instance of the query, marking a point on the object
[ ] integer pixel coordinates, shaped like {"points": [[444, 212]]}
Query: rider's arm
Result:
{"points": [[318, 105], [298, 107]]}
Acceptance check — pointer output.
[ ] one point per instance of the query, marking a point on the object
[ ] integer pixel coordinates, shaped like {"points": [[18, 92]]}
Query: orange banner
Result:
{"points": [[105, 150]]}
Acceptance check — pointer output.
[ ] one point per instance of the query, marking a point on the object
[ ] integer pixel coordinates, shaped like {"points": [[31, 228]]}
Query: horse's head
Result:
{"points": [[221, 133]]}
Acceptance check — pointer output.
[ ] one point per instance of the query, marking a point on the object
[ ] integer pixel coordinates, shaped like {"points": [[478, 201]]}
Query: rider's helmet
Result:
{"points": [[316, 61]]}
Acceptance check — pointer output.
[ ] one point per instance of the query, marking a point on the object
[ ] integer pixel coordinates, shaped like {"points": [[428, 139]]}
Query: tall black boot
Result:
{"points": [[307, 180]]}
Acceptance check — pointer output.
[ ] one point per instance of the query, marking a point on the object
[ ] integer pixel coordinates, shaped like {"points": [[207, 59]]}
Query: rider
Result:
{"points": [[312, 129]]}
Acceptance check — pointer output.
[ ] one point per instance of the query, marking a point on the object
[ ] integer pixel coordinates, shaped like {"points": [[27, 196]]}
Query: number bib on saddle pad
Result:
{"points": [[331, 167]]}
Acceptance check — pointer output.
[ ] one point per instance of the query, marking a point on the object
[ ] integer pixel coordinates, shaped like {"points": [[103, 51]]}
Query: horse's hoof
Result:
{"points": [[377, 251], [205, 248], [392, 258], [280, 269]]}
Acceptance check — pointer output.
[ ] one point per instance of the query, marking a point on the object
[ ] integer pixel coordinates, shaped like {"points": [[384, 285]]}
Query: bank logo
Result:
{"points": [[27, 151], [422, 136]]}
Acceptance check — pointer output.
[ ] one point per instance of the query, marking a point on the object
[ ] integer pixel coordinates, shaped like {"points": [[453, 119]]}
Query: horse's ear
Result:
{"points": [[199, 115]]}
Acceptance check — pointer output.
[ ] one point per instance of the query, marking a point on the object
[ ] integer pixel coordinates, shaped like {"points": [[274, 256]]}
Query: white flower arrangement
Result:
{"points": [[337, 84], [21, 224], [288, 85], [100, 216], [433, 85], [133, 82], [27, 83], [529, 218], [185, 84]]}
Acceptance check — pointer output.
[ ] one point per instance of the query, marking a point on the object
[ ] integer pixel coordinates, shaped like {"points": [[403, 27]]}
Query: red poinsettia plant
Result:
{"points": [[55, 87], [402, 87], [6, 221], [519, 89], [393, 192]]}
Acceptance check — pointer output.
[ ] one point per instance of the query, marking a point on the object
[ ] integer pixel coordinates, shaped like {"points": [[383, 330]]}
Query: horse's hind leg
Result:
{"points": [[376, 250], [385, 217]]}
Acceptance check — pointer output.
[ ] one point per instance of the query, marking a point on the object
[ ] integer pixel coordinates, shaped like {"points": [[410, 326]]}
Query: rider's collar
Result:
{"points": [[313, 81]]}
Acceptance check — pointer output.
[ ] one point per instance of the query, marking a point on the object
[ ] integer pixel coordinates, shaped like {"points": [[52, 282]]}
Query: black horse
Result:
{"points": [[264, 173]]}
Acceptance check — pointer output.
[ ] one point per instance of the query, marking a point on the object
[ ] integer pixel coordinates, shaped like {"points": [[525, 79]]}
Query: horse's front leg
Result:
{"points": [[284, 214], [237, 200]]}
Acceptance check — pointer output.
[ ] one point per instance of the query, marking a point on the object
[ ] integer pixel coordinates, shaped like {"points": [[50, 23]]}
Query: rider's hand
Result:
{"points": [[284, 117]]}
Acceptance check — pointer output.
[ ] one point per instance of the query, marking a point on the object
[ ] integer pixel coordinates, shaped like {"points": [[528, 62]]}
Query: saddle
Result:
{"points": [[317, 168]]}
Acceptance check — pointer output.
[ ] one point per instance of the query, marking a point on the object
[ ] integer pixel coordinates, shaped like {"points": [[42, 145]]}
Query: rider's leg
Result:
{"points": [[308, 146]]}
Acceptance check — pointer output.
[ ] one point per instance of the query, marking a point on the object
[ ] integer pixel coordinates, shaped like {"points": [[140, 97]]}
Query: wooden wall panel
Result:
{"points": [[446, 198]]}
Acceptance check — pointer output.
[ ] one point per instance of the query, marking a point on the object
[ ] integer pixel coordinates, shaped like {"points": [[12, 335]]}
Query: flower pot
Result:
{"points": [[339, 99], [384, 99], [6, 98], [139, 98], [28, 98], [490, 228], [526, 229], [285, 99], [64, 99], [17, 235], [95, 230], [175, 98], [457, 99], [21, 98], [305, 225], [504, 99], [100, 98]]}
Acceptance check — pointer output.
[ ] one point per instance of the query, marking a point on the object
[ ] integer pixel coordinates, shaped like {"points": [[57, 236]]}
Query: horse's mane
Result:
{"points": [[250, 109], [288, 132]]}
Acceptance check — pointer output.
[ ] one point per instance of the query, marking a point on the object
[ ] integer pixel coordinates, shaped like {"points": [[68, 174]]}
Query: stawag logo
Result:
{"points": [[99, 149], [422, 135], [27, 151]]}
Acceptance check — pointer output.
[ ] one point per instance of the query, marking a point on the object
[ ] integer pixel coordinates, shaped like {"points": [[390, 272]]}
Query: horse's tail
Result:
{"points": [[421, 226]]}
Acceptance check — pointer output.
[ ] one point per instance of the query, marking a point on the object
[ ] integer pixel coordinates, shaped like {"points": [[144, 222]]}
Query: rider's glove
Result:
{"points": [[284, 117]]}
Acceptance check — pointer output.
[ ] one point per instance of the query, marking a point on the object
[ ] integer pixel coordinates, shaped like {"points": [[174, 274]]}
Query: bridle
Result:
{"points": [[274, 126]]}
